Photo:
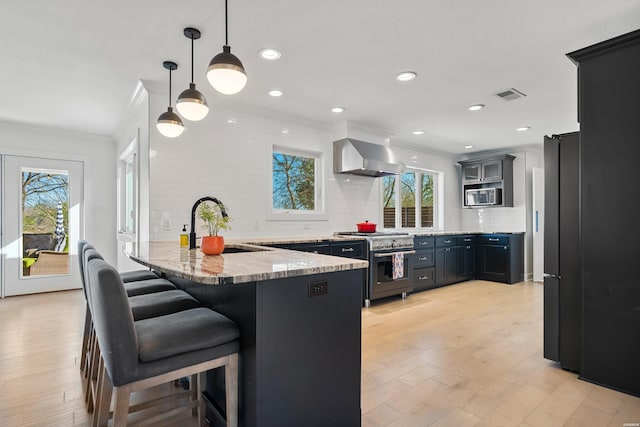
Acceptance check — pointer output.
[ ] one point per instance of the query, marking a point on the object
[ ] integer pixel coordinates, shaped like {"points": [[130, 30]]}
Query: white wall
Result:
{"points": [[98, 154], [232, 161]]}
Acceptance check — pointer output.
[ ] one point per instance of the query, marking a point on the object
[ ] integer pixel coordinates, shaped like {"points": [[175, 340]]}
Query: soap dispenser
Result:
{"points": [[184, 237]]}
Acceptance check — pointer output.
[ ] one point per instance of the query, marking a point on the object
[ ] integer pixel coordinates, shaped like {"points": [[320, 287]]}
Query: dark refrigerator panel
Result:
{"points": [[551, 318], [570, 284], [551, 206], [562, 287]]}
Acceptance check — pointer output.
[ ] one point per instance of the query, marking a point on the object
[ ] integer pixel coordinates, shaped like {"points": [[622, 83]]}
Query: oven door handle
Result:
{"points": [[391, 253]]}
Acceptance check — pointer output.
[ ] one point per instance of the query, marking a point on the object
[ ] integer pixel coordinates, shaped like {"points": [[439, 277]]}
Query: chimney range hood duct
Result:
{"points": [[364, 158]]}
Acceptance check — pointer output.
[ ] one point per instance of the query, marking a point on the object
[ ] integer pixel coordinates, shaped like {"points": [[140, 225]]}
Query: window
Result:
{"points": [[408, 200], [127, 189], [296, 183]]}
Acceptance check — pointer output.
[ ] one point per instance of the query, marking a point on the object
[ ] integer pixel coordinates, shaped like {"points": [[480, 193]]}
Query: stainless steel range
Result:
{"points": [[390, 257]]}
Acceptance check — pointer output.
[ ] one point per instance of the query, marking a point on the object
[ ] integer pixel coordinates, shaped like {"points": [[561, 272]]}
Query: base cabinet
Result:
{"points": [[447, 259], [501, 258], [446, 266]]}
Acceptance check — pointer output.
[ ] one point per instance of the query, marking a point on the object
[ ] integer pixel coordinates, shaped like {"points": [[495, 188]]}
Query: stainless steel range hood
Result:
{"points": [[364, 158]]}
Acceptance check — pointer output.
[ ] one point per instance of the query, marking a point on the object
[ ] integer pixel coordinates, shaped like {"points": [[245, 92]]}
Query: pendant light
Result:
{"points": [[226, 73], [191, 103], [169, 123]]}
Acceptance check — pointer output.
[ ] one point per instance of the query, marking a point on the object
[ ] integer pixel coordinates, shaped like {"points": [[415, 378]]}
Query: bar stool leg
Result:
{"points": [[231, 383]]}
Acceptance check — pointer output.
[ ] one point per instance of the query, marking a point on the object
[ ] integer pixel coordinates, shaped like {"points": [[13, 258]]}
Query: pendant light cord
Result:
{"points": [[170, 87], [192, 59], [226, 25]]}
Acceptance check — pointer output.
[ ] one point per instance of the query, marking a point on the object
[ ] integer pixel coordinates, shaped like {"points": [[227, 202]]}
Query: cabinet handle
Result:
{"points": [[467, 240], [493, 240], [423, 243], [348, 249], [424, 277], [468, 247], [447, 241], [447, 249], [422, 258]]}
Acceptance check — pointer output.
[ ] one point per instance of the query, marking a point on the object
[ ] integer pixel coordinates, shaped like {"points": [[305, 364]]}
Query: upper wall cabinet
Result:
{"points": [[487, 182], [485, 170]]}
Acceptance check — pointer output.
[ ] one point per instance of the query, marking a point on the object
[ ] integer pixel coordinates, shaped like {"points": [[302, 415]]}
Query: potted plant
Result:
{"points": [[214, 221]]}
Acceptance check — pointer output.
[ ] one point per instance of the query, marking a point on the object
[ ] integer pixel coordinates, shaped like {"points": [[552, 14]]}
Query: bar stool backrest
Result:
{"points": [[81, 245], [113, 320]]}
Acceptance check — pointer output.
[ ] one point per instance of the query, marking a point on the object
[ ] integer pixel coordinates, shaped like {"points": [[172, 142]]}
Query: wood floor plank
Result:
{"points": [[467, 354]]}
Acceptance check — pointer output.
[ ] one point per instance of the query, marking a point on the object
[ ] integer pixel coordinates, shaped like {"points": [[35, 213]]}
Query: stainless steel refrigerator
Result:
{"points": [[562, 285]]}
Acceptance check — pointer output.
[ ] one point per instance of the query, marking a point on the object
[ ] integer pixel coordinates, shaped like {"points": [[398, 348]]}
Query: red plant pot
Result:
{"points": [[212, 245]]}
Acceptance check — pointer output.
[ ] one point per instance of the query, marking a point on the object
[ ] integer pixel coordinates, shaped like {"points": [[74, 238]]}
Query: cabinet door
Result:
{"points": [[446, 265], [471, 172], [440, 266], [466, 262], [492, 170], [494, 263]]}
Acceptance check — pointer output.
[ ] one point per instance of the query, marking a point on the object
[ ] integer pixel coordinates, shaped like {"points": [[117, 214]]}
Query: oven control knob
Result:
{"points": [[393, 245]]}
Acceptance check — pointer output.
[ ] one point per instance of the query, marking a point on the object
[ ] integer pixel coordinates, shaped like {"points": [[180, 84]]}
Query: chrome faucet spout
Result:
{"points": [[192, 234]]}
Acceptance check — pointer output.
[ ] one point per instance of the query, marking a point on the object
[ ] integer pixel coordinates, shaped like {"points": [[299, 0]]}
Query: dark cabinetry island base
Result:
{"points": [[300, 348]]}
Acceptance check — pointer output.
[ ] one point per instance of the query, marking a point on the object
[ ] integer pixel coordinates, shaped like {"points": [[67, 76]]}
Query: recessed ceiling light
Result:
{"points": [[285, 131], [418, 132], [270, 54], [523, 129], [406, 76], [468, 146], [275, 92], [476, 107], [231, 121], [337, 110]]}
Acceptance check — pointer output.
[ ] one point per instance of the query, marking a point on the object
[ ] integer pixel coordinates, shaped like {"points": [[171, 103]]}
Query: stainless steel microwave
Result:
{"points": [[483, 197]]}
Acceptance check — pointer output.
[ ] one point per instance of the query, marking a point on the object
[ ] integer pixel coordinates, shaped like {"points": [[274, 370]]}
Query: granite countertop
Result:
{"points": [[458, 232], [297, 239], [256, 264]]}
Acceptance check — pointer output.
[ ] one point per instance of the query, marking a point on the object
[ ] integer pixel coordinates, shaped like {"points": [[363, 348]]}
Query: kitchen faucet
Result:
{"points": [[192, 234]]}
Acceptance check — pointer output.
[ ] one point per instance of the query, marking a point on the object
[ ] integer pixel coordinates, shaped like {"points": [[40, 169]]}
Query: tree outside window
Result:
{"points": [[389, 201], [408, 200], [294, 182]]}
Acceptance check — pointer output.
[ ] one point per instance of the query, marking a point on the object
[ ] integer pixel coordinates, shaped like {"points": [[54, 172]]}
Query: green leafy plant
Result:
{"points": [[213, 219]]}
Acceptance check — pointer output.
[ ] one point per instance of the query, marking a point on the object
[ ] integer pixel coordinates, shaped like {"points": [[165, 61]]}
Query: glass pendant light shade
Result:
{"points": [[226, 73], [192, 104], [169, 124]]}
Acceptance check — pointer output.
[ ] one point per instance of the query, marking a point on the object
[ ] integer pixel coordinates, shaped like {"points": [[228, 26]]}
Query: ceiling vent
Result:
{"points": [[510, 94]]}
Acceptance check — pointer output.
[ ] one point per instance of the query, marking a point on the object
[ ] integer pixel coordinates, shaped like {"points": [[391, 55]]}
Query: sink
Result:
{"points": [[235, 249]]}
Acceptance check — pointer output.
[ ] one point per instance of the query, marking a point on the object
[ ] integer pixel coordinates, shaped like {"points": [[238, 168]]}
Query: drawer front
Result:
{"points": [[466, 240], [348, 250], [445, 241], [311, 247], [423, 242], [424, 277], [423, 259], [494, 239]]}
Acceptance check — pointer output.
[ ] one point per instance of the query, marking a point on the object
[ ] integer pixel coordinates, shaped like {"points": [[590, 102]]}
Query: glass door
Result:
{"points": [[42, 222]]}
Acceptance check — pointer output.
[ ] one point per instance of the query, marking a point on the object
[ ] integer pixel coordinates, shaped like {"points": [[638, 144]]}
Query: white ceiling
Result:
{"points": [[74, 64]]}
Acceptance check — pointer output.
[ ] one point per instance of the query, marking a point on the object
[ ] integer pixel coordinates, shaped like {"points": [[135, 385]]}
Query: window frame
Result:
{"points": [[317, 214], [437, 201], [129, 156]]}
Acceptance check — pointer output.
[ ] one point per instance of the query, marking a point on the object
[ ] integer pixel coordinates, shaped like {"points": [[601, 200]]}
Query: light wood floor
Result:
{"points": [[468, 354]]}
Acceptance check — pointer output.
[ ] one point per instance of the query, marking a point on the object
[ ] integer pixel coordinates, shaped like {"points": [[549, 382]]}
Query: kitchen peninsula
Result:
{"points": [[299, 315]]}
